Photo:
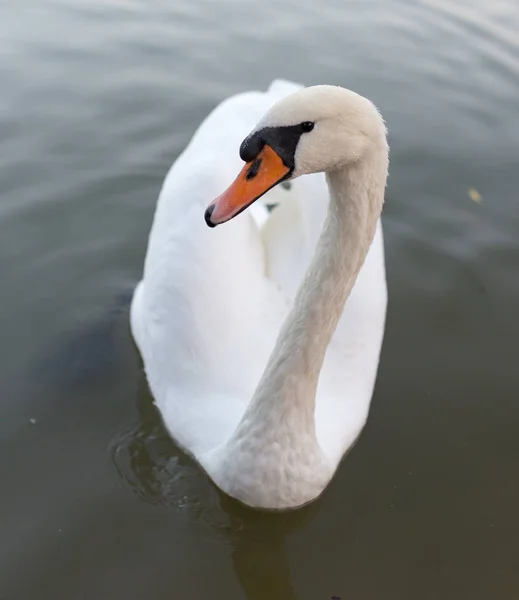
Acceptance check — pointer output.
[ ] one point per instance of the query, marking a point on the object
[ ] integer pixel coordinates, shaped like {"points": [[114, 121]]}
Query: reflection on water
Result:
{"points": [[98, 98], [159, 473], [155, 469]]}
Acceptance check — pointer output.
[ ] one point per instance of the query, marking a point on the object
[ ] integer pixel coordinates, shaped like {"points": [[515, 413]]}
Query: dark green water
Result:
{"points": [[97, 98]]}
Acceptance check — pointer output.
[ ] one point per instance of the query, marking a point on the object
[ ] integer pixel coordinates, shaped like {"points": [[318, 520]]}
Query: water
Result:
{"points": [[98, 98]]}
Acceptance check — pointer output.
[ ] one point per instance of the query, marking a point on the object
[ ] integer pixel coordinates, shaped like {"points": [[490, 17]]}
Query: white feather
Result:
{"points": [[211, 303]]}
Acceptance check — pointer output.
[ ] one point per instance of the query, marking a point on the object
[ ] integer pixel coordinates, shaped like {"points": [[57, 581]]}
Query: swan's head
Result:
{"points": [[320, 128]]}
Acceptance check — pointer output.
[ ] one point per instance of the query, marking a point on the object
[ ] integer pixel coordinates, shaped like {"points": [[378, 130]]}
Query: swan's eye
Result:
{"points": [[307, 126]]}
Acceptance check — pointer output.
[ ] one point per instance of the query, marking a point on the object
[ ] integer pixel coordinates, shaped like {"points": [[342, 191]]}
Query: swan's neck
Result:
{"points": [[278, 427], [286, 392]]}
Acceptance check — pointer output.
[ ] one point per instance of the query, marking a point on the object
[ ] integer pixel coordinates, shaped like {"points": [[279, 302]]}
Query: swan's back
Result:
{"points": [[204, 291]]}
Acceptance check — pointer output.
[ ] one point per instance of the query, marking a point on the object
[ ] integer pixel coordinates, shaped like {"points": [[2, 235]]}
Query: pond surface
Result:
{"points": [[97, 99]]}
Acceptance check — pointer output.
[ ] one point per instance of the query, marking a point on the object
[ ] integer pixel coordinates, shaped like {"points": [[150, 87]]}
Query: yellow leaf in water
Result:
{"points": [[475, 196]]}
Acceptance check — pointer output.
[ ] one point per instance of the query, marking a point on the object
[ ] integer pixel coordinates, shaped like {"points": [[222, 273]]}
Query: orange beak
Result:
{"points": [[255, 179]]}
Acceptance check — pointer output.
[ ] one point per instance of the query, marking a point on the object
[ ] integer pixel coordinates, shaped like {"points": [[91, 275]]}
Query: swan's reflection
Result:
{"points": [[159, 473], [258, 541], [259, 555]]}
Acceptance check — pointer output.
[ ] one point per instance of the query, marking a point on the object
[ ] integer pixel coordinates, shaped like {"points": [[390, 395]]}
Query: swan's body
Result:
{"points": [[251, 404]]}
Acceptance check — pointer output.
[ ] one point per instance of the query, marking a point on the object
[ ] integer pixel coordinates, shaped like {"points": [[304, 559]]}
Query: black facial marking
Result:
{"points": [[253, 169], [286, 184], [283, 140]]}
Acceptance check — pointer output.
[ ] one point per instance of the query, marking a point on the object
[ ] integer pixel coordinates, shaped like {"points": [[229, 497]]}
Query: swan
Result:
{"points": [[261, 338]]}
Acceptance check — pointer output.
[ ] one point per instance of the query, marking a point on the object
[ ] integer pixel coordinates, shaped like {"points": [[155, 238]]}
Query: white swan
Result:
{"points": [[264, 383]]}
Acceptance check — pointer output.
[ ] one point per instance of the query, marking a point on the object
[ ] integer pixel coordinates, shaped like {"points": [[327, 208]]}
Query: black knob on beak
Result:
{"points": [[251, 146]]}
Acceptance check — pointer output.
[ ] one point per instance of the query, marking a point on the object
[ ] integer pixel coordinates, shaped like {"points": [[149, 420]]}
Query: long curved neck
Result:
{"points": [[285, 396]]}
